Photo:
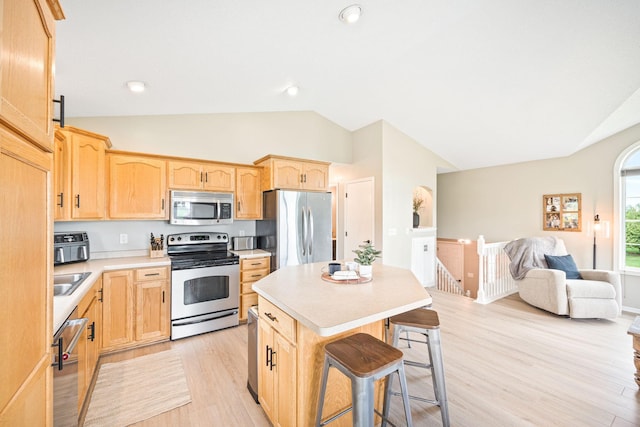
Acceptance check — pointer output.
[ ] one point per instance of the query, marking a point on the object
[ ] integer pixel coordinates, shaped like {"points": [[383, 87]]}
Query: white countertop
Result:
{"points": [[64, 305], [251, 253], [328, 308]]}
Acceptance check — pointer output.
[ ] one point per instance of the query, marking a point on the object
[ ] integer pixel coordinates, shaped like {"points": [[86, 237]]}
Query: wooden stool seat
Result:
{"points": [[425, 322], [364, 360], [418, 318], [363, 354]]}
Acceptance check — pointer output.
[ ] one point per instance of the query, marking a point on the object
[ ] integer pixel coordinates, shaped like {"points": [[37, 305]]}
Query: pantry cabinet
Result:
{"points": [[277, 364], [248, 193], [251, 270], [27, 42], [201, 176], [293, 174], [84, 180], [89, 344], [135, 308], [137, 186]]}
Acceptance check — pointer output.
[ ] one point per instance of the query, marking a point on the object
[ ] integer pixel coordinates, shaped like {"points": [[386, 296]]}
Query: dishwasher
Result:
{"points": [[65, 371], [252, 341]]}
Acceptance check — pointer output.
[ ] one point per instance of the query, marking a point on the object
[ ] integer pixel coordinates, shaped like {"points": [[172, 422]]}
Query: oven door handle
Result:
{"points": [[193, 322]]}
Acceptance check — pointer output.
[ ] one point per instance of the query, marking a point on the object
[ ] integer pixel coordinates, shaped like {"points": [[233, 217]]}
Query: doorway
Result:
{"points": [[359, 218]]}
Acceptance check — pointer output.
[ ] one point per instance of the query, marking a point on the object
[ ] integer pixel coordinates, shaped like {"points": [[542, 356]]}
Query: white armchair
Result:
{"points": [[596, 295]]}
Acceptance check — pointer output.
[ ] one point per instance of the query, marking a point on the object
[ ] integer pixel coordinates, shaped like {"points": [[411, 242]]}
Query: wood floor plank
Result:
{"points": [[506, 364]]}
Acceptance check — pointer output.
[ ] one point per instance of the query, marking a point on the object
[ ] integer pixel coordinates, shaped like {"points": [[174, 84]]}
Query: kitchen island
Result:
{"points": [[299, 313]]}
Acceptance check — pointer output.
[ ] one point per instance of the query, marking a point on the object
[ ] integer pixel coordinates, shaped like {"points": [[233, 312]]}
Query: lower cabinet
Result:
{"points": [[89, 344], [277, 365], [251, 270], [135, 308]]}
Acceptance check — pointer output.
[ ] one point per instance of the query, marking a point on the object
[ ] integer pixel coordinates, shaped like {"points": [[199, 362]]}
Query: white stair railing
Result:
{"points": [[446, 282], [494, 279]]}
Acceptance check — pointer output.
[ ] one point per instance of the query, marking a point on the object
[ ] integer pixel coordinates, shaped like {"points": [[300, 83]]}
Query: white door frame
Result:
{"points": [[350, 242]]}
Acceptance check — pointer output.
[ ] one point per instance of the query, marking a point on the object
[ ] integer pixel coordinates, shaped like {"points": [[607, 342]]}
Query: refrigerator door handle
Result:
{"points": [[304, 233], [310, 231]]}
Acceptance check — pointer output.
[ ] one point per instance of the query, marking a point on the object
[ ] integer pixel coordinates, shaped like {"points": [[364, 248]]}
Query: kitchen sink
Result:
{"points": [[66, 284]]}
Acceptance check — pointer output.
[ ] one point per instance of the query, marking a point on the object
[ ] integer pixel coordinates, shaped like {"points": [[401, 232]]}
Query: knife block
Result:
{"points": [[156, 253]]}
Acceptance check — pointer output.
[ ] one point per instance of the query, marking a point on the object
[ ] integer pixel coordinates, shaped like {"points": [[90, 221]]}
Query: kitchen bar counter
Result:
{"points": [[299, 313], [64, 305], [329, 308]]}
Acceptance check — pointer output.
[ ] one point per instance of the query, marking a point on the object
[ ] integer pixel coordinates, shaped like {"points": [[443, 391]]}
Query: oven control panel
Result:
{"points": [[197, 238]]}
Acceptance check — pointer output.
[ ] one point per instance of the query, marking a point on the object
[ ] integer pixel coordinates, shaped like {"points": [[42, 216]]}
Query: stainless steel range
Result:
{"points": [[205, 283]]}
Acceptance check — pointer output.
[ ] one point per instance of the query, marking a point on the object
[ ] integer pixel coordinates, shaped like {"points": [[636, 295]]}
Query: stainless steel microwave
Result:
{"points": [[201, 208]]}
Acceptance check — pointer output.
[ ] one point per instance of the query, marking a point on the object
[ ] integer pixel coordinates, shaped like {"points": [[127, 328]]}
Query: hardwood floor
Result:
{"points": [[506, 364]]}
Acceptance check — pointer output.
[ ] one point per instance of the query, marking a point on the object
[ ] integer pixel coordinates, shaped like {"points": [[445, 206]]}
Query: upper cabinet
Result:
{"points": [[26, 68], [86, 193], [248, 193], [201, 176], [137, 186], [293, 174]]}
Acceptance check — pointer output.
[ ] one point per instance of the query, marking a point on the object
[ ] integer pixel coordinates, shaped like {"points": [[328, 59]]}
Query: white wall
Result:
{"points": [[505, 202], [237, 138]]}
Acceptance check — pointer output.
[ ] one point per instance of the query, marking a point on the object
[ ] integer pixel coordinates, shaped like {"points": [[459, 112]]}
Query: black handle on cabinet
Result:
{"points": [[92, 327], [101, 295], [271, 317], [273, 354], [162, 204], [61, 119], [151, 274], [268, 356], [163, 297], [78, 201], [61, 204], [60, 354], [206, 177]]}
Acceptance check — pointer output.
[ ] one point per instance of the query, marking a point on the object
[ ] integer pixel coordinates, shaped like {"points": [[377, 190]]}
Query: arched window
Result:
{"points": [[629, 236]]}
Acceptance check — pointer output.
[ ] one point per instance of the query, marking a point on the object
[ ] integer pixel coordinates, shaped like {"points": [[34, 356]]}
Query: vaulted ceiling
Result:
{"points": [[478, 82]]}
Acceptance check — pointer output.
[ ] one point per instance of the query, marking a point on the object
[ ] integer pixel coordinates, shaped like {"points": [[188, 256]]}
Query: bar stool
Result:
{"points": [[427, 323], [364, 360]]}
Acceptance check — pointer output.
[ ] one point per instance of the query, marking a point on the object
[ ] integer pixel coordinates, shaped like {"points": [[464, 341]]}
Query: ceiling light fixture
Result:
{"points": [[292, 90], [350, 14], [136, 86]]}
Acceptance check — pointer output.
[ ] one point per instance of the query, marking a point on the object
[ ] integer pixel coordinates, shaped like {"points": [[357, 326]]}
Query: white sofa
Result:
{"points": [[596, 295]]}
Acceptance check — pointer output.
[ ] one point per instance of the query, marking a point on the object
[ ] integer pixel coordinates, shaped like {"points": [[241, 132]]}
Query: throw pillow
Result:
{"points": [[564, 263]]}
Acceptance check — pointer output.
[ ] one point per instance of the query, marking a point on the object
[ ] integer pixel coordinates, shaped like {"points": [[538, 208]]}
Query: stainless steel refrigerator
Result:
{"points": [[296, 227]]}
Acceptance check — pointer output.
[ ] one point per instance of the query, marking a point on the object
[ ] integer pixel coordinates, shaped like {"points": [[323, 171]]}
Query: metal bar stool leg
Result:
{"points": [[437, 369], [323, 389]]}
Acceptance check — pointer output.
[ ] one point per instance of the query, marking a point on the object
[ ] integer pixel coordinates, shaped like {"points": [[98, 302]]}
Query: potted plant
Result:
{"points": [[417, 203], [366, 255]]}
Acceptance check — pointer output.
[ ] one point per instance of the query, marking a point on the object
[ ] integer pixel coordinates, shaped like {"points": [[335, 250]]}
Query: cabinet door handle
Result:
{"points": [[271, 317], [101, 295], [78, 201], [206, 177], [61, 119], [162, 204], [238, 206], [92, 328], [268, 356], [151, 274], [163, 297], [273, 355], [256, 275], [61, 204]]}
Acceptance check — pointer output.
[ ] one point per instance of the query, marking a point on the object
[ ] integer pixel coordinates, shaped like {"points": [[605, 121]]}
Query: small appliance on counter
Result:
{"points": [[70, 247], [244, 243]]}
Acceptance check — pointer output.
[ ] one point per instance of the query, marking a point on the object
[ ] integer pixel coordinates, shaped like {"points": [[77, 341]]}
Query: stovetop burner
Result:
{"points": [[197, 250]]}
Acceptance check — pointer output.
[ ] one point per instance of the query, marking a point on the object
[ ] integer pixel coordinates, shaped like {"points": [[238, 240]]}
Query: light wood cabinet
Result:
{"points": [[135, 307], [251, 270], [89, 344], [248, 193], [86, 193], [137, 187], [25, 306], [26, 67], [152, 304], [27, 43], [201, 176], [293, 174], [277, 365]]}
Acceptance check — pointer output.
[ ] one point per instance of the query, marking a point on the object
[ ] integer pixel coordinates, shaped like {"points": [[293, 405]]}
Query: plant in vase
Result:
{"points": [[365, 256], [417, 203]]}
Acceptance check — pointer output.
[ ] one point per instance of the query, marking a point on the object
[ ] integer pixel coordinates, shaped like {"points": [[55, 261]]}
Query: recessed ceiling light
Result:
{"points": [[136, 86], [292, 90], [350, 14]]}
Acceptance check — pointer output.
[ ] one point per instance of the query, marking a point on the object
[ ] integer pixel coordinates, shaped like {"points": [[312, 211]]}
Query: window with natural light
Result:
{"points": [[630, 180]]}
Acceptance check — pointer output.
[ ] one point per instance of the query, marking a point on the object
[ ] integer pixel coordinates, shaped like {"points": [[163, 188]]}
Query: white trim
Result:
{"points": [[618, 213]]}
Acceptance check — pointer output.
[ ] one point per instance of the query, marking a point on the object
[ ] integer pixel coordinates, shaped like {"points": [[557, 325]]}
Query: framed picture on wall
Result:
{"points": [[561, 212]]}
